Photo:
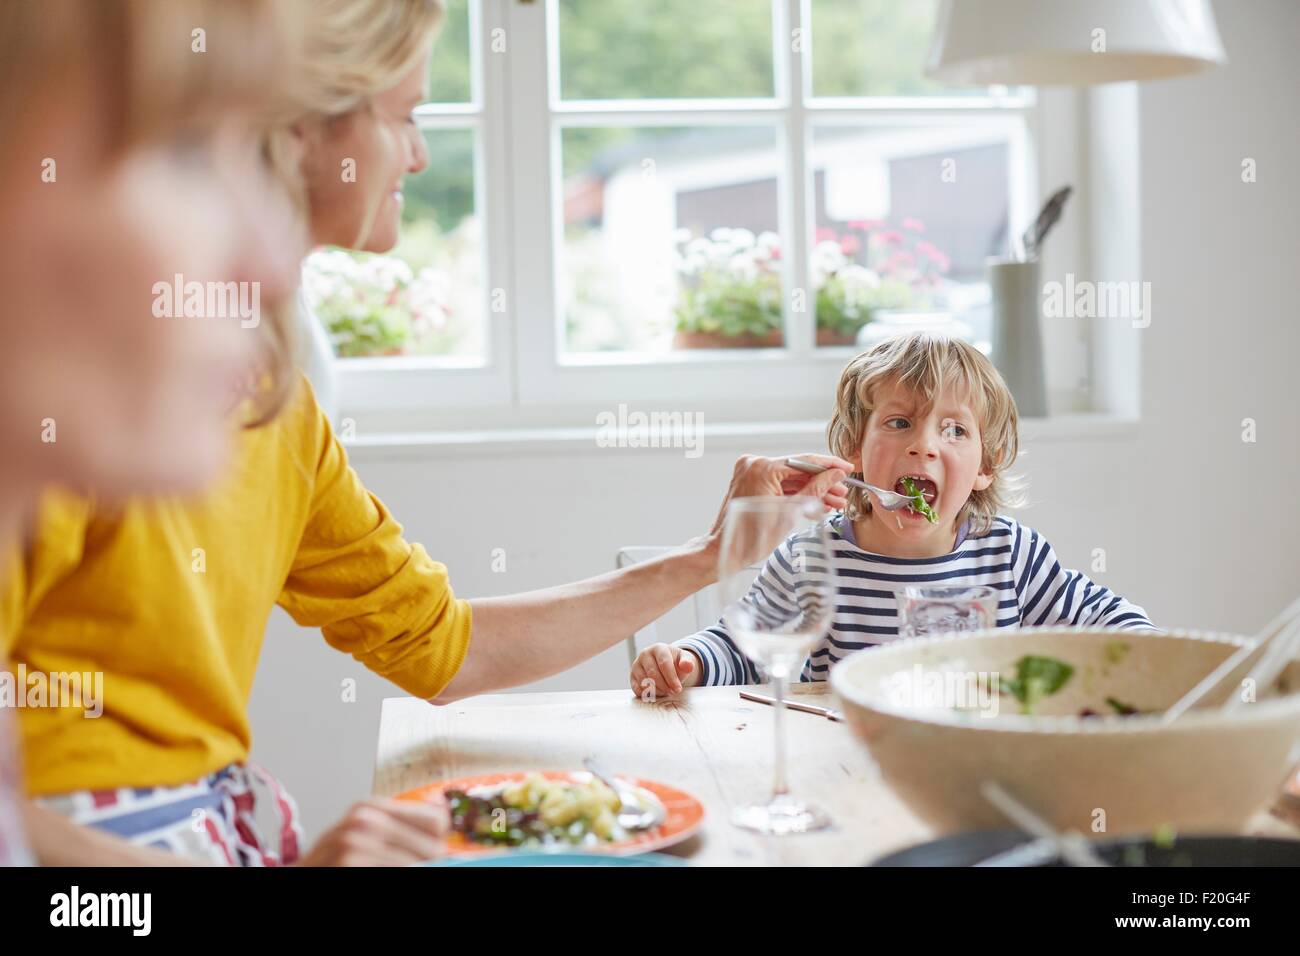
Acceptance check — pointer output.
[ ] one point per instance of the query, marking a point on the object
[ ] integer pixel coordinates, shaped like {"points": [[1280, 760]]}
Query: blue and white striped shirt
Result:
{"points": [[1011, 558]]}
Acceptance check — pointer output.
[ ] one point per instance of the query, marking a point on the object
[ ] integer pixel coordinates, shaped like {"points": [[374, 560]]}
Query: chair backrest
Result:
{"points": [[700, 610]]}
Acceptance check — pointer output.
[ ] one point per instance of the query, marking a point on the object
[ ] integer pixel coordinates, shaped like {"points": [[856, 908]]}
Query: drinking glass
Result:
{"points": [[928, 610]]}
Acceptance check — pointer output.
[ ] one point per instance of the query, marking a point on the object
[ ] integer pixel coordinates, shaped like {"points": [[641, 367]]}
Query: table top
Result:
{"points": [[711, 743]]}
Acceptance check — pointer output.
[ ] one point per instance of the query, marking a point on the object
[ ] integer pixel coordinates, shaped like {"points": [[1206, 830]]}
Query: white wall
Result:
{"points": [[1222, 258]]}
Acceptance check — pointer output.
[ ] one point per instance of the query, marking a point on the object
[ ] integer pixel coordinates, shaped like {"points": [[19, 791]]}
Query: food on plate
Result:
{"points": [[535, 812]]}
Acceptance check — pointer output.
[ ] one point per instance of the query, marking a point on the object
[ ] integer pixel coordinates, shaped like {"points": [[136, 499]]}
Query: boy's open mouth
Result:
{"points": [[926, 486], [922, 492]]}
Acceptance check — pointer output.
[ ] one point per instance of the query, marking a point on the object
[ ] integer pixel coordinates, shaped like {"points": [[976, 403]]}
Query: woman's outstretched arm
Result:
{"points": [[520, 638]]}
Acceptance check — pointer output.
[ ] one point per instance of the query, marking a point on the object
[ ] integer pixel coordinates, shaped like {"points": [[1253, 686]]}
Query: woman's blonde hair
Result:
{"points": [[353, 50], [927, 364], [143, 60], [161, 67]]}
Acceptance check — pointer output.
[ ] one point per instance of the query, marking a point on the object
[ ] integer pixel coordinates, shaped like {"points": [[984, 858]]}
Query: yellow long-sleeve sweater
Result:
{"points": [[169, 599]]}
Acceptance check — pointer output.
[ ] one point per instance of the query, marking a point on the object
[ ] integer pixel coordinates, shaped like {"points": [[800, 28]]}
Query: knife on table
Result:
{"points": [[826, 712]]}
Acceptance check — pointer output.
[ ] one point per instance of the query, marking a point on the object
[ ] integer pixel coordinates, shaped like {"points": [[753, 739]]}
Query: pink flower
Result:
{"points": [[826, 235], [934, 254], [914, 224], [892, 236], [850, 245], [866, 225]]}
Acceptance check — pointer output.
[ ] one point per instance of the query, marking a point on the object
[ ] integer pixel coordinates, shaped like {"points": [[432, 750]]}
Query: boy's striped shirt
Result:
{"points": [[1033, 588]]}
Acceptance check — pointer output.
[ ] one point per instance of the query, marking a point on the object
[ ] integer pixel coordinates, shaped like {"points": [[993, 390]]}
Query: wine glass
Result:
{"points": [[777, 627]]}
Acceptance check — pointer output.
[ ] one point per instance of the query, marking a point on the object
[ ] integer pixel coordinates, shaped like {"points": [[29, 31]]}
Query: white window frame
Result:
{"points": [[524, 380]]}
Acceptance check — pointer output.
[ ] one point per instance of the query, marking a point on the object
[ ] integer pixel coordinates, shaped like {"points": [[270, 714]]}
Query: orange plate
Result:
{"points": [[684, 813]]}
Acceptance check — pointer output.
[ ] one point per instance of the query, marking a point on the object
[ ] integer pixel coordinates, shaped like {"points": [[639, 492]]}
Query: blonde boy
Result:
{"points": [[937, 411]]}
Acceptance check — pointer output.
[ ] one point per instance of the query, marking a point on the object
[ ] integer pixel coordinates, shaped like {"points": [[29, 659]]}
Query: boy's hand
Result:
{"points": [[663, 670]]}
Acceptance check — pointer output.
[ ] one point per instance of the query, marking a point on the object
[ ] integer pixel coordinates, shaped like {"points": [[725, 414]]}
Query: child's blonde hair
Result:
{"points": [[926, 364]]}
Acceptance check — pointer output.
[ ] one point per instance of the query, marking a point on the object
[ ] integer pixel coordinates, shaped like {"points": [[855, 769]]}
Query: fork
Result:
{"points": [[635, 812], [889, 500]]}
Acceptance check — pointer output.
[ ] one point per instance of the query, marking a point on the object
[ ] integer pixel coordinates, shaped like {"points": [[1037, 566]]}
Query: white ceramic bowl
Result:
{"points": [[1111, 775]]}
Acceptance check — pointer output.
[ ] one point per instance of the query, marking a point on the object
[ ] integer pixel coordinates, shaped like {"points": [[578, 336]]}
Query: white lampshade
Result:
{"points": [[1054, 42]]}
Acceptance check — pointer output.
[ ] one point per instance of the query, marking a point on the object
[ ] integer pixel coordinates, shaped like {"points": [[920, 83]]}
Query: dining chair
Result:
{"points": [[703, 605]]}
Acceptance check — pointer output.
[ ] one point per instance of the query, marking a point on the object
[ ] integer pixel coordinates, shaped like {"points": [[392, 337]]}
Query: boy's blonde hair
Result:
{"points": [[926, 364]]}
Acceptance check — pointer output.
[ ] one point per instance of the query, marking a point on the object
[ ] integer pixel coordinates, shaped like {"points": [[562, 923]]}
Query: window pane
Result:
{"points": [[875, 48], [632, 49], [449, 66], [426, 297], [670, 238], [905, 217]]}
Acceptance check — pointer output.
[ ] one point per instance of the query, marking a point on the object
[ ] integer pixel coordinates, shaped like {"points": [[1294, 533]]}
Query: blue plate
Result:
{"points": [[526, 858]]}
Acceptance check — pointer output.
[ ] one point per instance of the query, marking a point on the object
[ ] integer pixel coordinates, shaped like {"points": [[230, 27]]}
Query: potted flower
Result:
{"points": [[901, 271], [374, 305], [729, 290], [729, 287]]}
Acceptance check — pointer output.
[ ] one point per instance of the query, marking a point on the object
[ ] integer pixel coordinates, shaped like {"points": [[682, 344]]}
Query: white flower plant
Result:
{"points": [[373, 305], [730, 281]]}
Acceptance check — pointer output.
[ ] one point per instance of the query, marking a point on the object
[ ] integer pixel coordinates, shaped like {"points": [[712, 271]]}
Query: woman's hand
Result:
{"points": [[754, 475], [383, 833]]}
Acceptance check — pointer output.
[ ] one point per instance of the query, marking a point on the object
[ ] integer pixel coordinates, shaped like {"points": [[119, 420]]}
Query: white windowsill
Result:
{"points": [[733, 436]]}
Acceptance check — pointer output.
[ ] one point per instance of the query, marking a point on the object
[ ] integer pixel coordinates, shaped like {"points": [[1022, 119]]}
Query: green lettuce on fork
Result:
{"points": [[918, 501]]}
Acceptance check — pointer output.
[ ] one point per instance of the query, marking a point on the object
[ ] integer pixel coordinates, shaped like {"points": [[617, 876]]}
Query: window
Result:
{"points": [[426, 297], [683, 203]]}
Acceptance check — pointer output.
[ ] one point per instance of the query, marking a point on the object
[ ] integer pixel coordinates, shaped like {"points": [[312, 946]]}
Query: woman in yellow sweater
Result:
{"points": [[93, 387], [169, 599]]}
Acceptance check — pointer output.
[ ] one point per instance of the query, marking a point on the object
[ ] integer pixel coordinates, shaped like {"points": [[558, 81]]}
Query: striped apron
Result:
{"points": [[210, 820]]}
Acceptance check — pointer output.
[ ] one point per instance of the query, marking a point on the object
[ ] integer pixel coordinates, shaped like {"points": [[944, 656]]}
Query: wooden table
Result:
{"points": [[711, 744]]}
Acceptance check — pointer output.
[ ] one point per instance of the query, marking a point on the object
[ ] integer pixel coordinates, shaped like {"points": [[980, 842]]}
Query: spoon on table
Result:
{"points": [[889, 500], [635, 812]]}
